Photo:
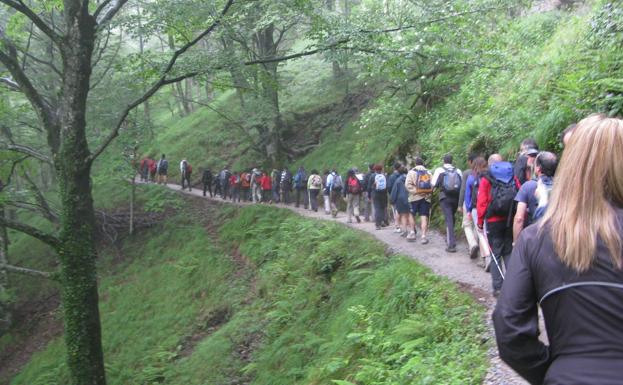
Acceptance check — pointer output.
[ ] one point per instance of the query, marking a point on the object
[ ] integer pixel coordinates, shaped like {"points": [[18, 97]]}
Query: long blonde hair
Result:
{"points": [[588, 186]]}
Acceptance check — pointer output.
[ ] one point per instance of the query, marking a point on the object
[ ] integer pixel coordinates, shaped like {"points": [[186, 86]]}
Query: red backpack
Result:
{"points": [[189, 169], [354, 186]]}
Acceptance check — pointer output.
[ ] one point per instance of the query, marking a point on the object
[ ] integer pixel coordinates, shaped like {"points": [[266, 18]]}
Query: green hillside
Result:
{"points": [[259, 295]]}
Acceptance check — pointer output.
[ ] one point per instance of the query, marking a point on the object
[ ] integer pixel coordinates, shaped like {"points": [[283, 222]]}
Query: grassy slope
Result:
{"points": [[313, 303]]}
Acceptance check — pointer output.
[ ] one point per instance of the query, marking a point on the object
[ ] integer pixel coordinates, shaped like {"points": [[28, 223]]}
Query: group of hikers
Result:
{"points": [[497, 198], [550, 236]]}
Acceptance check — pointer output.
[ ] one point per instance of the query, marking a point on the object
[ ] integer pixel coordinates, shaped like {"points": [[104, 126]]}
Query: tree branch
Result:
{"points": [[29, 151], [39, 104], [43, 204], [110, 13], [34, 232], [161, 82], [20, 7], [11, 85], [26, 271]]}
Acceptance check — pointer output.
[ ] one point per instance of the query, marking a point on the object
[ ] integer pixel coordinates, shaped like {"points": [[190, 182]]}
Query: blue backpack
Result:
{"points": [[503, 190]]}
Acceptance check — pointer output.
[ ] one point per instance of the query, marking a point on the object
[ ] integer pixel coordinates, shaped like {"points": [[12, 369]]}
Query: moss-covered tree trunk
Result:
{"points": [[76, 250]]}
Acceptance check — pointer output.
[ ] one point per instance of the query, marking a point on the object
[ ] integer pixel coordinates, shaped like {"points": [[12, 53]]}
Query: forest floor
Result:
{"points": [[458, 267]]}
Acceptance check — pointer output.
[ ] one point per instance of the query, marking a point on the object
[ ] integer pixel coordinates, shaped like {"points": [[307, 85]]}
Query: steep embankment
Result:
{"points": [[262, 296]]}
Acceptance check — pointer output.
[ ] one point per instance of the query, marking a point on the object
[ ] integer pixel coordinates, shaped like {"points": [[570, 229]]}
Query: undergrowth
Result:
{"points": [[304, 302]]}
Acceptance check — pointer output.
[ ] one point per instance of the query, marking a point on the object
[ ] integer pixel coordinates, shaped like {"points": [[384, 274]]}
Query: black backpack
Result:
{"points": [[502, 198]]}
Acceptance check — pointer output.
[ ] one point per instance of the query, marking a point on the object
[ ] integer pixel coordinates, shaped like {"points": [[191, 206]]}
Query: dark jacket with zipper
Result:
{"points": [[584, 323]]}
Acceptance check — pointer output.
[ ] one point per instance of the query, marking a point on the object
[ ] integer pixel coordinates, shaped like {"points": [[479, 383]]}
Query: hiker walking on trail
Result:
{"points": [[391, 179], [256, 185], [379, 196], [314, 185], [570, 265], [234, 186], [224, 182], [447, 179], [326, 195], [495, 207], [300, 185], [352, 194], [162, 169], [334, 187], [419, 184], [267, 186], [144, 169], [206, 180], [522, 169], [153, 169], [275, 175], [468, 224], [367, 197], [479, 169], [529, 207], [285, 185], [245, 186], [186, 171], [400, 200]]}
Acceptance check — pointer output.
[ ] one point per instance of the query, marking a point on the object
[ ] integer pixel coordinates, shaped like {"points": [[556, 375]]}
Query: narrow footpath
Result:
{"points": [[458, 267]]}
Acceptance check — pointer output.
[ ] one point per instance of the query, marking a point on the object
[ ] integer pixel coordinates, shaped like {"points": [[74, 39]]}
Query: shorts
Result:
{"points": [[420, 208]]}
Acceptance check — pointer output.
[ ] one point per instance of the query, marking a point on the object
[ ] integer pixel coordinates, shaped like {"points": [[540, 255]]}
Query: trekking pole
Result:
{"points": [[494, 257]]}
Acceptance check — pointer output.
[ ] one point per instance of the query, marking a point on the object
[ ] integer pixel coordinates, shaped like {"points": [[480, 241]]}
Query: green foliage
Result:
{"points": [[302, 302]]}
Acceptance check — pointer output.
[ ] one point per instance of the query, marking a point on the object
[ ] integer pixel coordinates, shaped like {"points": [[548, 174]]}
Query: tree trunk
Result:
{"points": [[269, 81], [237, 76], [141, 48], [5, 314], [188, 94], [77, 253], [178, 91]]}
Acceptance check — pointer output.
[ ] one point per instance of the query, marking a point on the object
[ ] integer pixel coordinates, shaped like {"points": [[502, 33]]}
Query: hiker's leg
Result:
{"points": [[378, 209], [298, 197], [446, 208], [349, 207], [305, 198], [356, 200], [468, 229], [496, 236], [314, 199]]}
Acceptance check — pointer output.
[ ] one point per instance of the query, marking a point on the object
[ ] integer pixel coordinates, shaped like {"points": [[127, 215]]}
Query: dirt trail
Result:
{"points": [[458, 267]]}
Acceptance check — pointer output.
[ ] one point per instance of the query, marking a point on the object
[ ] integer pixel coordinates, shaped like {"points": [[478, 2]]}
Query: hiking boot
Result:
{"points": [[411, 237], [481, 263], [404, 234], [424, 240], [451, 249], [358, 219], [473, 252], [397, 230]]}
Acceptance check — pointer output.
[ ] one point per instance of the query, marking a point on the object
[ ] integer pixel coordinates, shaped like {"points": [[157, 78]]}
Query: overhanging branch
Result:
{"points": [[34, 232], [26, 271]]}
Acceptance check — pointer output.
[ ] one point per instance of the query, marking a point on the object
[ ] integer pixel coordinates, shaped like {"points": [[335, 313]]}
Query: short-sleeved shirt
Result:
{"points": [[526, 195]]}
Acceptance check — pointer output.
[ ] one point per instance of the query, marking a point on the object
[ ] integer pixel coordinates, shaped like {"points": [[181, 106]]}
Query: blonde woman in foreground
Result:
{"points": [[571, 265]]}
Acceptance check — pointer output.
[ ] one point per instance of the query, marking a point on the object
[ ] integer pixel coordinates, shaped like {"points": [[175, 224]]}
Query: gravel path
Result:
{"points": [[456, 266]]}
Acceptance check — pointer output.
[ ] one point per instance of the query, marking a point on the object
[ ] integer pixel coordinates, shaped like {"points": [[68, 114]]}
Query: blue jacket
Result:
{"points": [[399, 191]]}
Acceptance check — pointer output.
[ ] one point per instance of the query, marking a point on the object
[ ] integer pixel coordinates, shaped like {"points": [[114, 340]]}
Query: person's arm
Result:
{"points": [[516, 319], [482, 200], [464, 177], [467, 195], [410, 182], [520, 219], [436, 175]]}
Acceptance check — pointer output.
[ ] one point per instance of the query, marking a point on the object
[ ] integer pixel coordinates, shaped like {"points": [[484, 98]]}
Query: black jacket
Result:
{"points": [[584, 323]]}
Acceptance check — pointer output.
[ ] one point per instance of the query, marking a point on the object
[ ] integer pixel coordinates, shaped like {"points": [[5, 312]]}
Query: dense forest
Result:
{"points": [[103, 280]]}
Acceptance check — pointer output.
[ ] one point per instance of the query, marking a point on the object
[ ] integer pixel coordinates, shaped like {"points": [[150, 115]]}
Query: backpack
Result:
{"points": [[299, 179], [503, 190], [163, 165], [316, 181], [189, 169], [543, 189], [451, 184], [257, 178], [423, 182], [337, 182], [354, 186], [475, 191], [380, 182]]}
